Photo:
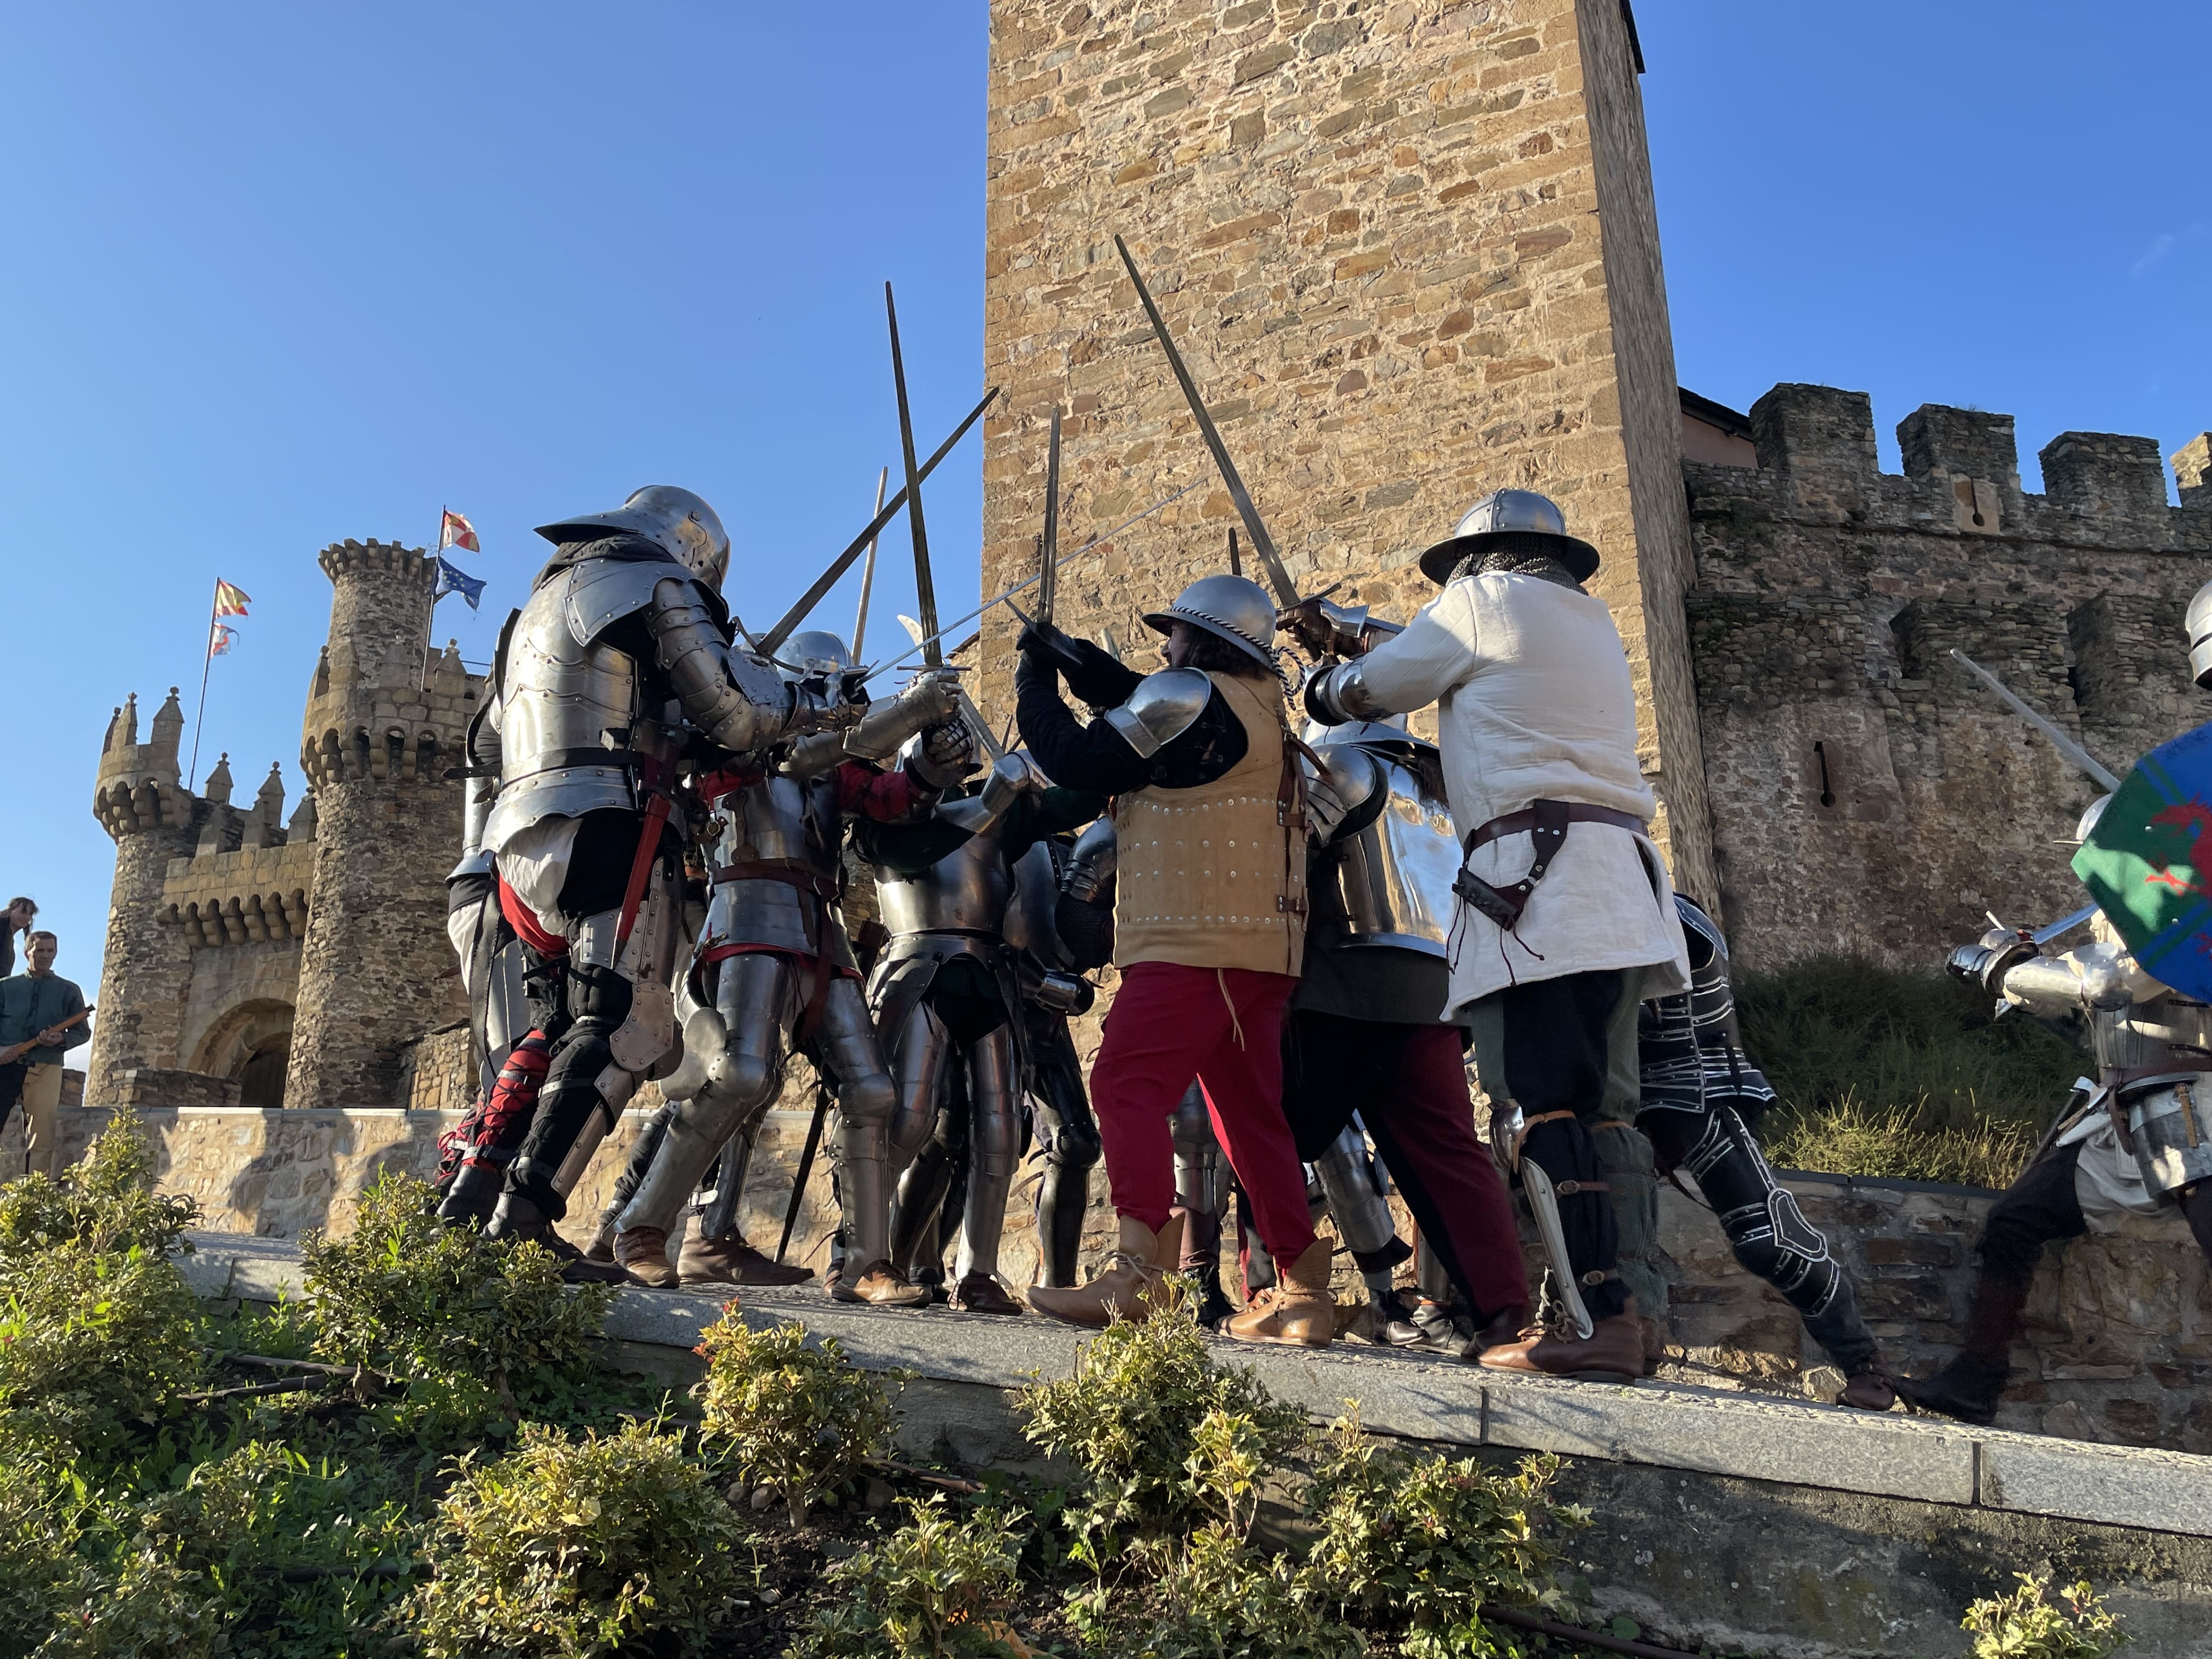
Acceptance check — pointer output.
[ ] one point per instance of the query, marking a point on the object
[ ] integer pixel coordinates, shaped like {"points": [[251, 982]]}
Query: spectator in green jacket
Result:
{"points": [[15, 919], [41, 1018]]}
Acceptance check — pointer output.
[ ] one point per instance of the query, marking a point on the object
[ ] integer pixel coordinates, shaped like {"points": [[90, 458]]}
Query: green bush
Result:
{"points": [[797, 1416], [1212, 1597], [472, 1321], [1417, 1544], [568, 1548], [104, 1202], [936, 1588], [92, 1343], [41, 1519], [1882, 1072], [2026, 1624], [1164, 1438]]}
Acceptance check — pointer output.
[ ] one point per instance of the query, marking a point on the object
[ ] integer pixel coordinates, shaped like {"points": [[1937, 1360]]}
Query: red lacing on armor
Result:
{"points": [[724, 952], [727, 781]]}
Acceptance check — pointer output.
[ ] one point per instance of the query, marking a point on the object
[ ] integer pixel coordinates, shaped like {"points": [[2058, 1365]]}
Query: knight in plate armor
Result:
{"points": [[1069, 932], [1700, 1097], [616, 673], [1368, 1032], [775, 972], [1209, 916], [1566, 917], [947, 993], [2136, 1139]]}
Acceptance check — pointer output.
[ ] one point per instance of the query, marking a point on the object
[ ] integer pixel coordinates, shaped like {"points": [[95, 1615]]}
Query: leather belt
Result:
{"points": [[1514, 823], [791, 875]]}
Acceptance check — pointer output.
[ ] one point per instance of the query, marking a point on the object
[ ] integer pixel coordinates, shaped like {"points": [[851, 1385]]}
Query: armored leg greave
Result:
{"points": [[757, 996], [921, 1052], [845, 1046], [924, 1188], [995, 1140], [718, 1215], [1068, 1134], [643, 1151], [1765, 1228], [1559, 1145], [1201, 1182], [1350, 1183]]}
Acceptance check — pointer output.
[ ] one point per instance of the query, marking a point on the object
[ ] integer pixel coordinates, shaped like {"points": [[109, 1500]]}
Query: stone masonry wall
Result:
{"points": [[1397, 244], [1867, 794]]}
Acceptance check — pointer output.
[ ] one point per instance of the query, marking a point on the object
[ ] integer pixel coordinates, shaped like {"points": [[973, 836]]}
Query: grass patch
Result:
{"points": [[1884, 1071]]}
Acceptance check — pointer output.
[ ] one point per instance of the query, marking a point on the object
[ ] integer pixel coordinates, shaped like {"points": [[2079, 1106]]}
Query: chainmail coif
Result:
{"points": [[1519, 553]]}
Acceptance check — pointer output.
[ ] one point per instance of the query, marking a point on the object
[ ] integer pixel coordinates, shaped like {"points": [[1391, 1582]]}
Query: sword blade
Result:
{"points": [[868, 571], [1286, 591], [924, 590], [890, 510], [805, 1169], [1047, 565], [1544, 1204], [2063, 925], [1235, 563], [2080, 759]]}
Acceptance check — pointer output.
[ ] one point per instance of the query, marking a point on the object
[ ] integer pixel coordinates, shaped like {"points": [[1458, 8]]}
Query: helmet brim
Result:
{"points": [[1163, 622], [1579, 557]]}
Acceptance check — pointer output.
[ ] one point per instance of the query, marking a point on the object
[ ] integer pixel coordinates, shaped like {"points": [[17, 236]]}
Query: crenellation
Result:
{"points": [[2104, 473]]}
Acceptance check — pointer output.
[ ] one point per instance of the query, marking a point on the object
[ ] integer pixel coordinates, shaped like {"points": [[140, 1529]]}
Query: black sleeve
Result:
{"points": [[1103, 680], [906, 848], [1098, 757]]}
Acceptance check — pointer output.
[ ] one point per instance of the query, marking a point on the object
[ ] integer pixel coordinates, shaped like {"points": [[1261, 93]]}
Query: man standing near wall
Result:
{"points": [[15, 919], [41, 1018], [1537, 726]]}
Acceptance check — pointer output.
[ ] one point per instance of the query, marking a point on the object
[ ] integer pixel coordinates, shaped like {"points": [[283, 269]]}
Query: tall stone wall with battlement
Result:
{"points": [[1868, 795], [1410, 253]]}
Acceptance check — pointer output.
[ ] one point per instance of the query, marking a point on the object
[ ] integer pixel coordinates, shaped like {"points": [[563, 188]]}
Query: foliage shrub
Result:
{"points": [[41, 1510], [568, 1548], [2028, 1624], [92, 1343], [471, 1322], [1416, 1544], [936, 1588], [1165, 1439], [1214, 1596], [786, 1413], [105, 1202], [1886, 1071]]}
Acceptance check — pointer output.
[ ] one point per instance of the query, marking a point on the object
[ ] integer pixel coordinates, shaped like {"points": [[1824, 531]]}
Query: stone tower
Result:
{"points": [[139, 798], [385, 721], [1410, 251]]}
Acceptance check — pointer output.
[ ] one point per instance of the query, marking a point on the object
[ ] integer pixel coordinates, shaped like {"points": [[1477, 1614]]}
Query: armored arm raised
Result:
{"points": [[930, 700], [733, 696]]}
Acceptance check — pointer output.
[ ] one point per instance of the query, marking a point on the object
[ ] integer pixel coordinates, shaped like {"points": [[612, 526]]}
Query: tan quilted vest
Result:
{"points": [[1215, 877]]}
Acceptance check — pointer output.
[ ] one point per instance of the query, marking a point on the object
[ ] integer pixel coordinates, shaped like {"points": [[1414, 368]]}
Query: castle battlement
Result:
{"points": [[1868, 794]]}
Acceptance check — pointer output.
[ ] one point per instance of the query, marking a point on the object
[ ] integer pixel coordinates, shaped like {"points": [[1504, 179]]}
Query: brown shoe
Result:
{"points": [[733, 1261], [880, 1286], [1132, 1283], [981, 1293], [1296, 1312], [1654, 1333], [1613, 1352], [643, 1251], [1507, 1325], [1868, 1389]]}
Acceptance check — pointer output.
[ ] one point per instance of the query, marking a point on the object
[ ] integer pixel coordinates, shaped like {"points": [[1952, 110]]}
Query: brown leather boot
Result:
{"points": [[1295, 1311], [981, 1293], [643, 1252], [1868, 1388], [1506, 1325], [1129, 1285], [733, 1261], [1613, 1352], [879, 1286], [1653, 1332]]}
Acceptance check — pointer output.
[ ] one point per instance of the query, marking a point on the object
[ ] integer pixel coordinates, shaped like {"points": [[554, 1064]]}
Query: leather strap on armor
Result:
{"points": [[1546, 823], [824, 888]]}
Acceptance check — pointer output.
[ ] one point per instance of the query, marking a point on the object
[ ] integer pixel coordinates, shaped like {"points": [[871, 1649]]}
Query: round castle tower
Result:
{"points": [[385, 721]]}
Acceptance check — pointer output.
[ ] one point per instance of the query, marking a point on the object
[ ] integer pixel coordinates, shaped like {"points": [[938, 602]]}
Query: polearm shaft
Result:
{"points": [[2080, 758], [925, 586], [1048, 552], [1286, 591], [868, 571], [1031, 582], [890, 510]]}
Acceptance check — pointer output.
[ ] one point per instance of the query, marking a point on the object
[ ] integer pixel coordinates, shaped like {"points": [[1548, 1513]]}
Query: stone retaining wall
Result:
{"points": [[2121, 1322]]}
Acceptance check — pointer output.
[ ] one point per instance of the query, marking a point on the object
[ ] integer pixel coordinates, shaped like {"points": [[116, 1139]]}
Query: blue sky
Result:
{"points": [[279, 276]]}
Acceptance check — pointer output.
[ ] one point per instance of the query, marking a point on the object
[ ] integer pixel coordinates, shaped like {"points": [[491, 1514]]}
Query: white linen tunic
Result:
{"points": [[1534, 703]]}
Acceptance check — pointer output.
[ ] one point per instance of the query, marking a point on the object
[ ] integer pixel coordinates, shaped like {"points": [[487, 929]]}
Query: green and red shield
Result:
{"points": [[2148, 862]]}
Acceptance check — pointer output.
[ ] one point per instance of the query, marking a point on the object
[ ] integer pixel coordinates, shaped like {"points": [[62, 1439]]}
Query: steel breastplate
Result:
{"points": [[1394, 877], [2172, 1032], [1032, 915], [781, 821], [965, 891]]}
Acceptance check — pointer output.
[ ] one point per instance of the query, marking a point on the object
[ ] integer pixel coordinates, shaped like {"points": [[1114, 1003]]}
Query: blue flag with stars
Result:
{"points": [[452, 580]]}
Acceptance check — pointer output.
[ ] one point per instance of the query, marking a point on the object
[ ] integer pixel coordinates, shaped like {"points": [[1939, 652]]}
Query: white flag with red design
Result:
{"points": [[455, 530]]}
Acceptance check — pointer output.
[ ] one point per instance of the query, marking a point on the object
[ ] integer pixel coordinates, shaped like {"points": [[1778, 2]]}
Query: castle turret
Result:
{"points": [[383, 725], [139, 798]]}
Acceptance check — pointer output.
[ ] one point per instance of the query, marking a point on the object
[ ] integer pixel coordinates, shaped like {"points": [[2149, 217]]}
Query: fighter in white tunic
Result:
{"points": [[1566, 919]]}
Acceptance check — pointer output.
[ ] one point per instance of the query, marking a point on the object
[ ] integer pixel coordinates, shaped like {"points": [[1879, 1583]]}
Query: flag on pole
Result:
{"points": [[455, 530], [452, 580], [221, 637], [230, 601]]}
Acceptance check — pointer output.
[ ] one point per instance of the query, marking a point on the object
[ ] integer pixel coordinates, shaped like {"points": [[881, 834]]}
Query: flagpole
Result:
{"points": [[207, 662]]}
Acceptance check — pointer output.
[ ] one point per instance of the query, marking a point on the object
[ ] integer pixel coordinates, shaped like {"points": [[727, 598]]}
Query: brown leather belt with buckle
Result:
{"points": [[1546, 822]]}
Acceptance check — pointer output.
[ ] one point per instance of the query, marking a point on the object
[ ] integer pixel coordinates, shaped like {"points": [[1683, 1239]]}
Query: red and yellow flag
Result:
{"points": [[230, 601], [455, 530]]}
